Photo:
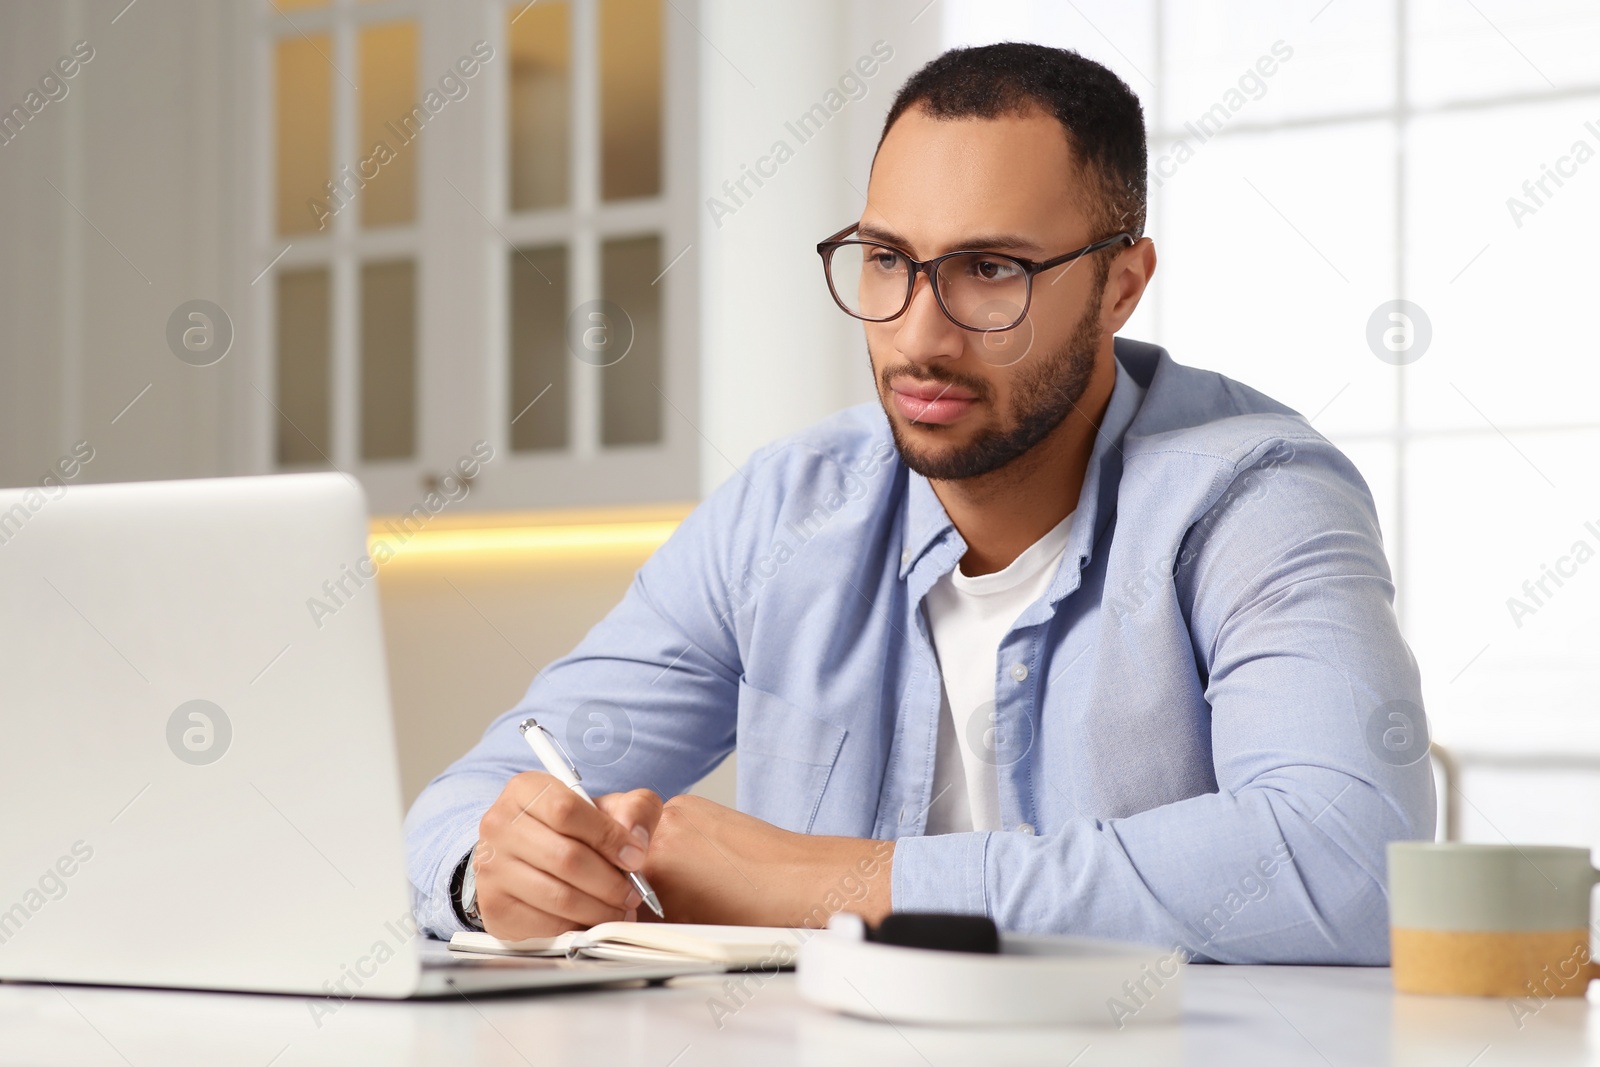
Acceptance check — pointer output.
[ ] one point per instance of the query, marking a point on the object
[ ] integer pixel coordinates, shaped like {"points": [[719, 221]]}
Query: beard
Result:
{"points": [[1043, 394]]}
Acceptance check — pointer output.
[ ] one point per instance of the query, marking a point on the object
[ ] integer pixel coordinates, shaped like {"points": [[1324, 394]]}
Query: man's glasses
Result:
{"points": [[980, 291]]}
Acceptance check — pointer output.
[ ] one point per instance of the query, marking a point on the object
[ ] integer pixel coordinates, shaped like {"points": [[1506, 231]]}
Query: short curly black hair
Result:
{"points": [[1101, 115]]}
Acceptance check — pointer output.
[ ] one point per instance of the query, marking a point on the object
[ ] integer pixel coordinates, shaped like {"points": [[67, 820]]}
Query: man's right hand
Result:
{"points": [[547, 862]]}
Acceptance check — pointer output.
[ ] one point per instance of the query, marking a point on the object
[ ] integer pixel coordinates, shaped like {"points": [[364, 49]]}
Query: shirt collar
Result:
{"points": [[927, 523]]}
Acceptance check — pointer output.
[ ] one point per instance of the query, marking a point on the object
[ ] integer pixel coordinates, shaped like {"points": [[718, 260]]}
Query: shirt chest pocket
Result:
{"points": [[785, 758]]}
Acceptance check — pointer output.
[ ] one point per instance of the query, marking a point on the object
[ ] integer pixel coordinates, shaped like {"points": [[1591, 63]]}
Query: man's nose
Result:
{"points": [[924, 334]]}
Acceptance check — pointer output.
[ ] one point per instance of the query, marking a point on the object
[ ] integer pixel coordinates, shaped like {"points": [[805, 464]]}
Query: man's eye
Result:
{"points": [[885, 260], [995, 270]]}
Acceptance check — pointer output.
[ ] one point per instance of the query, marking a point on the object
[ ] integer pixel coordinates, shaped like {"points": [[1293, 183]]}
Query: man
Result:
{"points": [[1061, 632]]}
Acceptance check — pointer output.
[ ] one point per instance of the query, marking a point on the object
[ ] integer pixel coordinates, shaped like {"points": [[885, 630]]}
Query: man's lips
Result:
{"points": [[931, 402]]}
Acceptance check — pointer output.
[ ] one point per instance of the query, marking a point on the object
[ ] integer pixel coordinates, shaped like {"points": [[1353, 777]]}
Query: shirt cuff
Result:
{"points": [[942, 873], [434, 904]]}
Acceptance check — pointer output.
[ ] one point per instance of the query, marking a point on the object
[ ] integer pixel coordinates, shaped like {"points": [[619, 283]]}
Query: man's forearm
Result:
{"points": [[843, 874], [712, 864]]}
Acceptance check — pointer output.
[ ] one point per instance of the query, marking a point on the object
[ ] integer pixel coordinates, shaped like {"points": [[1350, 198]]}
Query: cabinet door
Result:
{"points": [[480, 218]]}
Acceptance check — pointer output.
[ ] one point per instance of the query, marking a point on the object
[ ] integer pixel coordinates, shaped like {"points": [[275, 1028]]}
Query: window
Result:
{"points": [[1311, 162], [478, 228]]}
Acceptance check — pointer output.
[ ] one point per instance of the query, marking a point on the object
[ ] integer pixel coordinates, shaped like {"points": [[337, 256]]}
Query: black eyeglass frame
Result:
{"points": [[1030, 267]]}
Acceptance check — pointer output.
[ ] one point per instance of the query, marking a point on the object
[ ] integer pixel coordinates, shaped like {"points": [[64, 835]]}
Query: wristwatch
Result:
{"points": [[466, 891]]}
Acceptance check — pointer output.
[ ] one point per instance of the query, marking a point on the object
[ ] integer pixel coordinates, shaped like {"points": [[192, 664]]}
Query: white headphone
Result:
{"points": [[1030, 980]]}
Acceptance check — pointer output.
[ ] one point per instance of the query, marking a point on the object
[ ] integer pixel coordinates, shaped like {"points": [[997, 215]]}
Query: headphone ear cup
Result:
{"points": [[948, 933], [1035, 980]]}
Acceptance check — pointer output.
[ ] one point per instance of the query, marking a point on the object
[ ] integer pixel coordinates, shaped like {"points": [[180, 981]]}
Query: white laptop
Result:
{"points": [[198, 779]]}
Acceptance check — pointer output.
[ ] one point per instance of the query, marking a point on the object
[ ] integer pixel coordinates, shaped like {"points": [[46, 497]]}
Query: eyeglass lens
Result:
{"points": [[978, 289]]}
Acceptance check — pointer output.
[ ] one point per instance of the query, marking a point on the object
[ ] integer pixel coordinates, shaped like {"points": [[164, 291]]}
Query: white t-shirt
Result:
{"points": [[968, 617]]}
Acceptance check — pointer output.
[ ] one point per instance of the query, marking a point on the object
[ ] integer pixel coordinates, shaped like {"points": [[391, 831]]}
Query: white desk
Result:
{"points": [[1234, 1016]]}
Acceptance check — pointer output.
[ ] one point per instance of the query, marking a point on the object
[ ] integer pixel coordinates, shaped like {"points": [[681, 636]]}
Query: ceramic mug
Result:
{"points": [[1490, 920]]}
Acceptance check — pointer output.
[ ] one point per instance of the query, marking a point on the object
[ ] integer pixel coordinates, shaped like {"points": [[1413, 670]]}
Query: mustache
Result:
{"points": [[976, 386]]}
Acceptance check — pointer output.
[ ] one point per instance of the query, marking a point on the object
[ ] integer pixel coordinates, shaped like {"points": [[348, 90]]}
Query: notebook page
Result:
{"points": [[478, 941], [735, 945]]}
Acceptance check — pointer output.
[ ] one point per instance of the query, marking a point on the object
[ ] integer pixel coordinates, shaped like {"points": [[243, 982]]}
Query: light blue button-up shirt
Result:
{"points": [[1205, 731]]}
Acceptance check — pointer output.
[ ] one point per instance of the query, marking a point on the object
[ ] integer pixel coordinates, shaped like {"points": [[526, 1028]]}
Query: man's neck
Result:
{"points": [[1001, 513]]}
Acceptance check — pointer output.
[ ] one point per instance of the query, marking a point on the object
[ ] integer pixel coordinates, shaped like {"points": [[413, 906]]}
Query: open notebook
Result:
{"points": [[734, 946]]}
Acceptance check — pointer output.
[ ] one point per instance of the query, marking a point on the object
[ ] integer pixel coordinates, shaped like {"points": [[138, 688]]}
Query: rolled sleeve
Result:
{"points": [[943, 873], [431, 900]]}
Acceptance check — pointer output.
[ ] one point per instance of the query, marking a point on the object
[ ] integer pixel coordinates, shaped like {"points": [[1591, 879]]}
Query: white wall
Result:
{"points": [[138, 221], [778, 355]]}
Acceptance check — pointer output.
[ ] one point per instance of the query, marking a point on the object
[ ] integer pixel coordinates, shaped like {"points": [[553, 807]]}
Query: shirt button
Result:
{"points": [[1019, 672], [1025, 828], [905, 557]]}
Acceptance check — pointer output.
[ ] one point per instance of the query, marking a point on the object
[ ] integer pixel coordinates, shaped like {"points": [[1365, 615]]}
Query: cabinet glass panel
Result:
{"points": [[630, 412], [304, 328], [630, 98], [304, 103], [388, 360], [539, 36], [539, 358], [392, 116]]}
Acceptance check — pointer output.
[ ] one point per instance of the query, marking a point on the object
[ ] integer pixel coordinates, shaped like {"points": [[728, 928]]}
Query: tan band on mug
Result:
{"points": [[1543, 963]]}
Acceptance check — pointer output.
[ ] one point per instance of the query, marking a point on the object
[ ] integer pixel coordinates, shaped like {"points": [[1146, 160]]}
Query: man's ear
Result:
{"points": [[1130, 274]]}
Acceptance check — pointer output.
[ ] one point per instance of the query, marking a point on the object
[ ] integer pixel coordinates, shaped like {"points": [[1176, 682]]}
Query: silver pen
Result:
{"points": [[555, 761]]}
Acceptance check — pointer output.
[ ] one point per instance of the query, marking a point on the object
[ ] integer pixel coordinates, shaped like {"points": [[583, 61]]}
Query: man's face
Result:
{"points": [[961, 403]]}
